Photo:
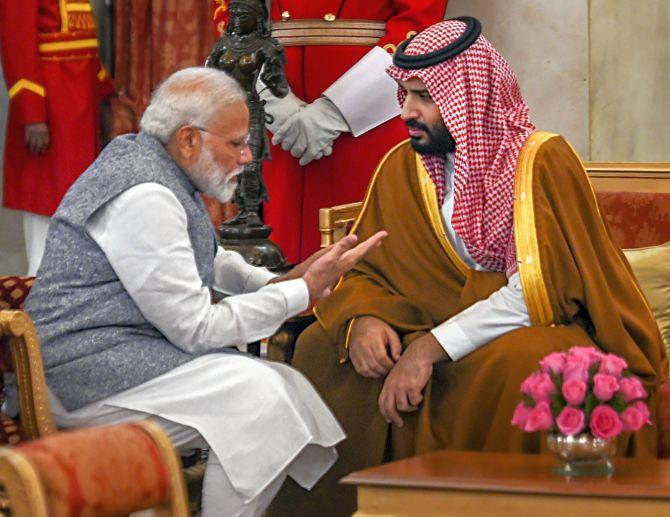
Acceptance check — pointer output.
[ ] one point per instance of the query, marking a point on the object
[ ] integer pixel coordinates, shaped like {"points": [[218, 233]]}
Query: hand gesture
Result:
{"points": [[323, 272], [374, 347]]}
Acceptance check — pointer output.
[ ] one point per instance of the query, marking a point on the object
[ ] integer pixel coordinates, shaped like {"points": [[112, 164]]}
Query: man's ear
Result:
{"points": [[187, 140]]}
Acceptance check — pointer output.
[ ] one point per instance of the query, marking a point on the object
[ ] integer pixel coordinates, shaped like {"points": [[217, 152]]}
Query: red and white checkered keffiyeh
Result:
{"points": [[479, 98]]}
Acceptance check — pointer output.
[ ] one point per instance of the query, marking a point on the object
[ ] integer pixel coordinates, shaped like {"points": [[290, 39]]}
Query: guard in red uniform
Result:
{"points": [[341, 115], [56, 82]]}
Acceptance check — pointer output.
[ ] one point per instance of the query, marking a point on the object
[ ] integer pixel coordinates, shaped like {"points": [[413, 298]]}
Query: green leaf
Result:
{"points": [[590, 402], [618, 403]]}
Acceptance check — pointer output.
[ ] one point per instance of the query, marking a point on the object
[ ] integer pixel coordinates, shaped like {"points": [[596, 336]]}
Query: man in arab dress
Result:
{"points": [[496, 256]]}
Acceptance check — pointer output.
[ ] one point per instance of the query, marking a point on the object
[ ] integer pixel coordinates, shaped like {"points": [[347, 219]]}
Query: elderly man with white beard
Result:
{"points": [[122, 303]]}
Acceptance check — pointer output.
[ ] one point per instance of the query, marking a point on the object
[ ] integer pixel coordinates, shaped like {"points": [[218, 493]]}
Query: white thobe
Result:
{"points": [[482, 322]]}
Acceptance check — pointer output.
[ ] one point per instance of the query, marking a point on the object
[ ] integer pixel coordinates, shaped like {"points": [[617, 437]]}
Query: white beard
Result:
{"points": [[209, 178]]}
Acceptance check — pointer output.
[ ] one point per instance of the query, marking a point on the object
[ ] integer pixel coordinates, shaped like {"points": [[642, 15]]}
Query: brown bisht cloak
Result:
{"points": [[577, 284]]}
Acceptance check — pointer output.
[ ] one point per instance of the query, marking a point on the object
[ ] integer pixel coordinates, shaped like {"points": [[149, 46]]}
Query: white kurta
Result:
{"points": [[258, 417]]}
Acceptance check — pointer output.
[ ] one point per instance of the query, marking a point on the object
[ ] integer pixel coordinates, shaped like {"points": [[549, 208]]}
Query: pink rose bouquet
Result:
{"points": [[582, 391]]}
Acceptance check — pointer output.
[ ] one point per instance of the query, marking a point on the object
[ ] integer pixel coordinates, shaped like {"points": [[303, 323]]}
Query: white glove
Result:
{"points": [[310, 132], [280, 109]]}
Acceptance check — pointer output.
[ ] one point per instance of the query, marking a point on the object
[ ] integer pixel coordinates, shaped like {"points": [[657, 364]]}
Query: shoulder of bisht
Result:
{"points": [[534, 285]]}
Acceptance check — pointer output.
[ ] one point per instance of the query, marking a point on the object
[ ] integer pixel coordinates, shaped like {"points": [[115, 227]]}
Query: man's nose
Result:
{"points": [[245, 155], [408, 110]]}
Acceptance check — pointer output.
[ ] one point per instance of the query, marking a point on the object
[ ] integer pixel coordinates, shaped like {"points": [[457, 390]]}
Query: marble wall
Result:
{"points": [[630, 80], [546, 43]]}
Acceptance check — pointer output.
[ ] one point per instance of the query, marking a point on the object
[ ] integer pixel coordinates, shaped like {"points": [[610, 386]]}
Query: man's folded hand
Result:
{"points": [[404, 385], [374, 347]]}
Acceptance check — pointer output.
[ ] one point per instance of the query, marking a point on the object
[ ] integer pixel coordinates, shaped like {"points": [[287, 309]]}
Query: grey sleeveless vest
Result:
{"points": [[95, 341]]}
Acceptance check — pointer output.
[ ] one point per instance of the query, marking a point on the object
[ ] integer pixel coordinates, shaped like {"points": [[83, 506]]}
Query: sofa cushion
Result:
{"points": [[14, 291], [651, 267], [637, 219]]}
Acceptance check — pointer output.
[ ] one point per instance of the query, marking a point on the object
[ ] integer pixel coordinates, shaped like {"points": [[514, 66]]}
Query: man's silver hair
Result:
{"points": [[189, 96]]}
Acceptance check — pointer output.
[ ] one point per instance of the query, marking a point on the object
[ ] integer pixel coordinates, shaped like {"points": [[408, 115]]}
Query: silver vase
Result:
{"points": [[582, 455]]}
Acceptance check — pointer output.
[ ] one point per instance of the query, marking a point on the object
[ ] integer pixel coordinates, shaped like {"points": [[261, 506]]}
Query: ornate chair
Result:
{"points": [[20, 353], [97, 471], [18, 333], [635, 201]]}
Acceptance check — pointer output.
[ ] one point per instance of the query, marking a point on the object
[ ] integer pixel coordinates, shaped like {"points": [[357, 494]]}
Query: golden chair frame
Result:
{"points": [[26, 496], [36, 418], [334, 222]]}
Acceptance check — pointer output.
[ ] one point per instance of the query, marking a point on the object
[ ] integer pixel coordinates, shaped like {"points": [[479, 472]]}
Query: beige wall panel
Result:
{"points": [[546, 43], [630, 80]]}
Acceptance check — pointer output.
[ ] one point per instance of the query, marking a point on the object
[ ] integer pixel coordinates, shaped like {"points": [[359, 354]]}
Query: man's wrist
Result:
{"points": [[427, 349]]}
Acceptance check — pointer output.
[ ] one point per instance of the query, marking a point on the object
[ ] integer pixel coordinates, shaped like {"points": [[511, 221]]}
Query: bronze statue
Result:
{"points": [[245, 49]]}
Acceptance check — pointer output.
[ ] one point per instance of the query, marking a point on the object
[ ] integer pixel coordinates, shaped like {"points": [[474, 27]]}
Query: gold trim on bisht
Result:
{"points": [[430, 201], [362, 210], [292, 33], [525, 234]]}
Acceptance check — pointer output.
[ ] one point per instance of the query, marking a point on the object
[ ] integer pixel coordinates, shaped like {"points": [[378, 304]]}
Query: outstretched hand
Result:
{"points": [[328, 267]]}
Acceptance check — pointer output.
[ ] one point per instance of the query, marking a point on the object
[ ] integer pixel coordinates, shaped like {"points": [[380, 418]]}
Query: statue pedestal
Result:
{"points": [[253, 243]]}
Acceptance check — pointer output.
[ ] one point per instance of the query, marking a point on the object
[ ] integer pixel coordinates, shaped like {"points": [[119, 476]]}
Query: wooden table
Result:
{"points": [[475, 483]]}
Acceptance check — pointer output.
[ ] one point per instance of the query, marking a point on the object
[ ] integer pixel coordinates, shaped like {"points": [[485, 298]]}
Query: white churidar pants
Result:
{"points": [[261, 420], [35, 228]]}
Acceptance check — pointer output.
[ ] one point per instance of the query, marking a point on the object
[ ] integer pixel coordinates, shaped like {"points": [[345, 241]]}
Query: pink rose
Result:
{"points": [[612, 365], [539, 419], [539, 386], [605, 386], [576, 367], [592, 355], [553, 363], [632, 419], [605, 422], [631, 388], [644, 411], [570, 421], [521, 414], [574, 391]]}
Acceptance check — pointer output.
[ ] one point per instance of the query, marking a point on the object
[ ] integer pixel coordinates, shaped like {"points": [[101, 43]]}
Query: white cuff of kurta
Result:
{"points": [[365, 95], [455, 342], [258, 277], [296, 294]]}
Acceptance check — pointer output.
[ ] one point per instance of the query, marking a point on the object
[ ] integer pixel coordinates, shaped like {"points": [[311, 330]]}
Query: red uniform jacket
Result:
{"points": [[297, 193], [53, 74]]}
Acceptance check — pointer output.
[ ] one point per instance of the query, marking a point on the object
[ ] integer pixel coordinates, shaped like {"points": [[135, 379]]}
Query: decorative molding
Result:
{"points": [[629, 176]]}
